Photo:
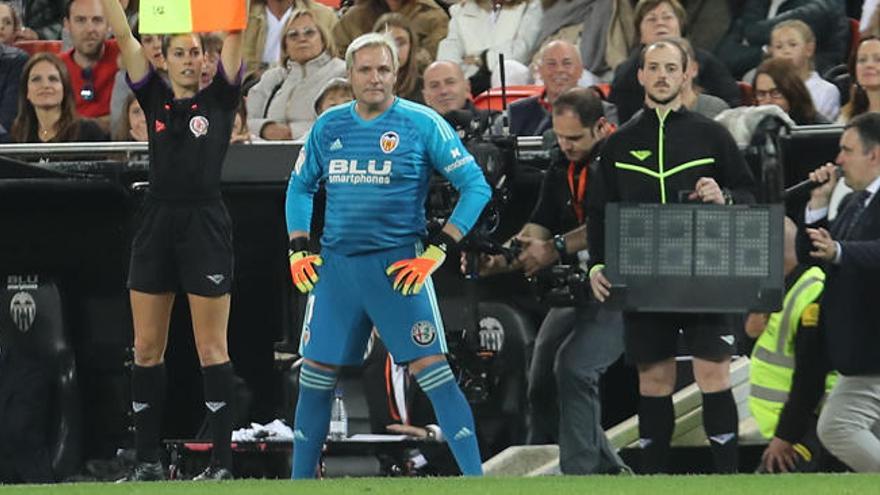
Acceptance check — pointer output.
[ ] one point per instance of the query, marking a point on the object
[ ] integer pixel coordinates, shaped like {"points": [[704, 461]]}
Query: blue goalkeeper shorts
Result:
{"points": [[353, 294]]}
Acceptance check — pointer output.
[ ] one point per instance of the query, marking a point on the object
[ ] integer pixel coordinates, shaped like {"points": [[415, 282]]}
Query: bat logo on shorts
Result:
{"points": [[198, 125], [423, 333], [389, 141]]}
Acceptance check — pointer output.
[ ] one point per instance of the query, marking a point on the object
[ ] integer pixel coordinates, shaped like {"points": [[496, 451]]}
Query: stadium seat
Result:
{"points": [[746, 93], [37, 46], [491, 99], [854, 36]]}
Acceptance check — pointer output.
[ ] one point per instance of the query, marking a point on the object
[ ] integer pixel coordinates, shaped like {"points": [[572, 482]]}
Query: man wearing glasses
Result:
{"points": [[92, 60]]}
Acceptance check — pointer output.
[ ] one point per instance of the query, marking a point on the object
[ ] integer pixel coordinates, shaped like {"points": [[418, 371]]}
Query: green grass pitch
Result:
{"points": [[806, 484]]}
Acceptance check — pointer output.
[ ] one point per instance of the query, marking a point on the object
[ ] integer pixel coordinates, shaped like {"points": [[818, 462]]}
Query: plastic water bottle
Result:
{"points": [[338, 418]]}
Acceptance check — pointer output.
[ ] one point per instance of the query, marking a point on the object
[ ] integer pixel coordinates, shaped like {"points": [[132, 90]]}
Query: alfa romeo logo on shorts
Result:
{"points": [[424, 333], [198, 125]]}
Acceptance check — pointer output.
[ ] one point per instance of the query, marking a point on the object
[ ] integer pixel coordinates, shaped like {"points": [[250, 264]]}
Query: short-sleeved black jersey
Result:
{"points": [[188, 137]]}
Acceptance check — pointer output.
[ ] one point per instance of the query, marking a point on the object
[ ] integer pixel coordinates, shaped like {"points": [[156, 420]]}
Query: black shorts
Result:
{"points": [[653, 337], [182, 247]]}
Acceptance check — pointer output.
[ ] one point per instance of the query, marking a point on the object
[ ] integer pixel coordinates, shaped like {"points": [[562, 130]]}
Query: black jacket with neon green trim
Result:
{"points": [[652, 160]]}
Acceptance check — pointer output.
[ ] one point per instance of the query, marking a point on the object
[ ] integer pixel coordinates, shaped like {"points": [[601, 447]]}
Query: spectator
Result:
{"points": [[10, 24], [12, 60], [43, 19], [777, 83], [794, 40], [446, 90], [336, 92], [602, 31], [211, 46], [708, 20], [560, 68], [429, 22], [152, 44], [692, 96], [478, 33], [266, 22], [133, 124], [281, 105], [91, 62], [46, 112], [240, 131], [655, 20], [847, 249], [742, 47], [864, 69], [411, 59]]}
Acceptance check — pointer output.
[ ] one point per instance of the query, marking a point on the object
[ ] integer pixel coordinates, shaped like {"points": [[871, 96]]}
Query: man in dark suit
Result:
{"points": [[849, 249]]}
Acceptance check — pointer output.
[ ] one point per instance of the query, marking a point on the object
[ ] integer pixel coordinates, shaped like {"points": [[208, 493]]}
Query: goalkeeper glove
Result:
{"points": [[414, 272], [302, 264]]}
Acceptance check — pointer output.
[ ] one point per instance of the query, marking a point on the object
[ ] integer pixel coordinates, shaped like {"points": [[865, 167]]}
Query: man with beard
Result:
{"points": [[575, 345], [669, 155], [91, 62]]}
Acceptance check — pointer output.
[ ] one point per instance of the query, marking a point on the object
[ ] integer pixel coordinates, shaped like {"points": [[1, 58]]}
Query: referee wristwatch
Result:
{"points": [[559, 244]]}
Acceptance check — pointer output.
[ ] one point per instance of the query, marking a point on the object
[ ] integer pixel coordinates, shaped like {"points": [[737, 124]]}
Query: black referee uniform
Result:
{"points": [[184, 242]]}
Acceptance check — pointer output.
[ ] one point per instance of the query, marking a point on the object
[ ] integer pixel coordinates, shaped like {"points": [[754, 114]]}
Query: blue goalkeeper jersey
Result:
{"points": [[376, 173]]}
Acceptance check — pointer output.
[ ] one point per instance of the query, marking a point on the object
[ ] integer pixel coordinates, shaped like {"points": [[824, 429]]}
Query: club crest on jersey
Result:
{"points": [[198, 125], [306, 336], [423, 333], [389, 141]]}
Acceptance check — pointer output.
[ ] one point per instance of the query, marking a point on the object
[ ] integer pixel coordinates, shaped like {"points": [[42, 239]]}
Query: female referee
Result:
{"points": [[184, 241]]}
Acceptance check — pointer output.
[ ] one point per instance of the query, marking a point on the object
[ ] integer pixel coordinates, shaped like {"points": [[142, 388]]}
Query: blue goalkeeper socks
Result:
{"points": [[312, 419], [454, 415]]}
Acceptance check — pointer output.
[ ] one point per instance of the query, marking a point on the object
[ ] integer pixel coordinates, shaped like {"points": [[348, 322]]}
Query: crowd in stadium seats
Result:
{"points": [[818, 61]]}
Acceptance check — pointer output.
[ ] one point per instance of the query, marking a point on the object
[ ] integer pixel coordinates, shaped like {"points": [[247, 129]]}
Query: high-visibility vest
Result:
{"points": [[772, 366]]}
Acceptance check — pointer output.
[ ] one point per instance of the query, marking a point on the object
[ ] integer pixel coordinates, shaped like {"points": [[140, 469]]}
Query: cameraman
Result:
{"points": [[575, 344]]}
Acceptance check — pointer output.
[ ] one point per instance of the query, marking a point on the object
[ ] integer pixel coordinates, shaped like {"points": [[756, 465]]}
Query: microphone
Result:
{"points": [[807, 185]]}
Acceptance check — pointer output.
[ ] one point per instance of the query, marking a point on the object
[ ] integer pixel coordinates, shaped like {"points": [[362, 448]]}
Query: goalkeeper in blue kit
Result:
{"points": [[376, 156]]}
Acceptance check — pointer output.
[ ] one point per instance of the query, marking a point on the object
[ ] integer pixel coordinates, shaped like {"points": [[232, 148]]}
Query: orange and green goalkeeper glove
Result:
{"points": [[302, 264], [412, 273]]}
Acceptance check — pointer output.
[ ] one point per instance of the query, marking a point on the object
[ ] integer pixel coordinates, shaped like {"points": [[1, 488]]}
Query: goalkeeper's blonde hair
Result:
{"points": [[368, 40]]}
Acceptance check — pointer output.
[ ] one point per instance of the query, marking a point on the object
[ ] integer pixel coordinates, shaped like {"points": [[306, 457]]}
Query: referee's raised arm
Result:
{"points": [[232, 50], [133, 58]]}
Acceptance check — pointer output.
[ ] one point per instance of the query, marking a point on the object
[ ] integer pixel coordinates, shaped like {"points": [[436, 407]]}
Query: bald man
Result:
{"points": [[446, 89]]}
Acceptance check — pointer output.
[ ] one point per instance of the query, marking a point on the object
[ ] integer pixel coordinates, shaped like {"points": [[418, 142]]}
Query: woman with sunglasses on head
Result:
{"points": [[46, 107], [184, 241], [281, 105]]}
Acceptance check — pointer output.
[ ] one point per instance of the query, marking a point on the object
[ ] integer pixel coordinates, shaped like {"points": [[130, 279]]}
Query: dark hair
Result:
{"points": [[645, 6], [123, 129], [858, 97], [407, 74], [582, 102], [211, 43], [868, 127], [787, 81], [25, 126], [662, 43], [167, 38]]}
